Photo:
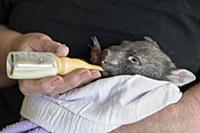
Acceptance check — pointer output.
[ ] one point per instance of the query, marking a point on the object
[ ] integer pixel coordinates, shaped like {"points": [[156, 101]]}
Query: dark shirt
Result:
{"points": [[175, 25]]}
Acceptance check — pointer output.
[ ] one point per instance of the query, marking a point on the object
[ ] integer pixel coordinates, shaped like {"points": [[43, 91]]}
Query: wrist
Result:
{"points": [[188, 110], [14, 40], [194, 92], [8, 37]]}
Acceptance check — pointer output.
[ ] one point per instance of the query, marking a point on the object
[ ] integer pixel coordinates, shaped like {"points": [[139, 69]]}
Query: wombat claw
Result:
{"points": [[95, 42]]}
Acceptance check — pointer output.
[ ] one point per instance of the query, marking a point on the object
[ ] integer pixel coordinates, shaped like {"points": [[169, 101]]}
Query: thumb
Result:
{"points": [[62, 50], [46, 44], [55, 47]]}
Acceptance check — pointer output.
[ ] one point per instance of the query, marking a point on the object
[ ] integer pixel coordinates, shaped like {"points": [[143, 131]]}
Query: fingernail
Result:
{"points": [[56, 82], [96, 74], [62, 50]]}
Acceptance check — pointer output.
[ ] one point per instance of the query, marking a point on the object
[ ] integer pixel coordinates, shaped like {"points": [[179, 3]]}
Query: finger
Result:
{"points": [[94, 73], [45, 43], [54, 47], [37, 86], [75, 79], [62, 50], [57, 84]]}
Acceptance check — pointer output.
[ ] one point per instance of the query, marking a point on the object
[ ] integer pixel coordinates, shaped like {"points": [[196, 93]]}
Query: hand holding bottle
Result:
{"points": [[54, 84]]}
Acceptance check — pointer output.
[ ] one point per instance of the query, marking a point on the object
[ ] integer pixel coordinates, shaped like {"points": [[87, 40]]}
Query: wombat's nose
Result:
{"points": [[105, 56], [105, 53]]}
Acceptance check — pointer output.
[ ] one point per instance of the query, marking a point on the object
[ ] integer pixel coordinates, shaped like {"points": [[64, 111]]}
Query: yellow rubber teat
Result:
{"points": [[66, 65]]}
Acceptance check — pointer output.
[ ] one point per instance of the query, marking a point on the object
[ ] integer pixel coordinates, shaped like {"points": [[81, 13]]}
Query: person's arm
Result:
{"points": [[6, 36], [182, 117]]}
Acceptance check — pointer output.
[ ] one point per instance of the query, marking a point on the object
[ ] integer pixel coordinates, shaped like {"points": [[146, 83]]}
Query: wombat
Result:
{"points": [[142, 57]]}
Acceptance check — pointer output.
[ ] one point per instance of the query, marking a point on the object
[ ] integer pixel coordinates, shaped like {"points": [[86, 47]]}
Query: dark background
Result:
{"points": [[174, 24]]}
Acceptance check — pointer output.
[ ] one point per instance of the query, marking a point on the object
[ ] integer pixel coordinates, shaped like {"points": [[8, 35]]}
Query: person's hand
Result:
{"points": [[54, 84]]}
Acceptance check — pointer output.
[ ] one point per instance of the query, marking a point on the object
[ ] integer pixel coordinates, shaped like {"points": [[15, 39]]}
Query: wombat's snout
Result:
{"points": [[109, 62], [105, 56], [109, 58]]}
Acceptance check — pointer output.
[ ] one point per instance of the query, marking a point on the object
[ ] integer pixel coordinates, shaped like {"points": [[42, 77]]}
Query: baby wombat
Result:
{"points": [[138, 57]]}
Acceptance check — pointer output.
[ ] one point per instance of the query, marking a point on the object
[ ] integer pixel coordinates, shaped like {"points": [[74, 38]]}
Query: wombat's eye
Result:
{"points": [[134, 60]]}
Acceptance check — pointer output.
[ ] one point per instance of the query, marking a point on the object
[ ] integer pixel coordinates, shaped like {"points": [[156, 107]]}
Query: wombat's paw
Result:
{"points": [[95, 51], [96, 42]]}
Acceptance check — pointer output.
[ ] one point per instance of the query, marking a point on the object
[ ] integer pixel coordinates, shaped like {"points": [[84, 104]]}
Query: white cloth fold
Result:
{"points": [[101, 106]]}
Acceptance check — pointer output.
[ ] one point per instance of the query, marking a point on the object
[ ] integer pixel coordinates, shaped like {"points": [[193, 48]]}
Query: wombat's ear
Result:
{"points": [[125, 42], [181, 77], [150, 40]]}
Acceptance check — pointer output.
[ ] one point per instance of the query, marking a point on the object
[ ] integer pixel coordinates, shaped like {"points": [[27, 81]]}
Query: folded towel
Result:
{"points": [[101, 106]]}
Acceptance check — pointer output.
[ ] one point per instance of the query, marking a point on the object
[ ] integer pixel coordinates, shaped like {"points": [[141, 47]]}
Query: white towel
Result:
{"points": [[101, 106]]}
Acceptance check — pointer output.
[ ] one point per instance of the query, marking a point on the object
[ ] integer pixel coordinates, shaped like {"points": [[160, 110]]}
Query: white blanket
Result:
{"points": [[101, 106]]}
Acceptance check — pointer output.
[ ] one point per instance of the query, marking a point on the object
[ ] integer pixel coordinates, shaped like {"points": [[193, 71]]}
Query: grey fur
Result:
{"points": [[133, 57]]}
